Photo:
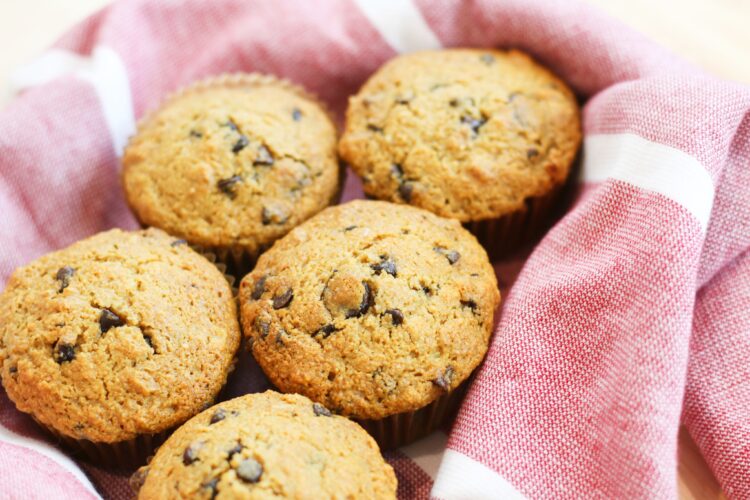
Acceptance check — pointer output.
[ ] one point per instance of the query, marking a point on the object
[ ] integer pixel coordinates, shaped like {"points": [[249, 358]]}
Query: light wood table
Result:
{"points": [[713, 34]]}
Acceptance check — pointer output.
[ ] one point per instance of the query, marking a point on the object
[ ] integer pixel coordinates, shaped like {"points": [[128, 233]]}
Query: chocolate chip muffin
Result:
{"points": [[487, 137], [267, 445], [374, 310], [116, 339], [231, 164]]}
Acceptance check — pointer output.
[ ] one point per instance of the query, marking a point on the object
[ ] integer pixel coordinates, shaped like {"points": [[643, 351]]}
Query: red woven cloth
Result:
{"points": [[631, 316]]}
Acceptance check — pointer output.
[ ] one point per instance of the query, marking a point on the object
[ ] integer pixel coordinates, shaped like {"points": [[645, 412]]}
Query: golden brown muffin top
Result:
{"points": [[235, 161], [371, 308], [120, 334], [465, 133], [268, 445]]}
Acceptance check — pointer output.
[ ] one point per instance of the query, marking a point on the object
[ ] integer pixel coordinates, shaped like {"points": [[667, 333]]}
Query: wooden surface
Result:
{"points": [[714, 34]]}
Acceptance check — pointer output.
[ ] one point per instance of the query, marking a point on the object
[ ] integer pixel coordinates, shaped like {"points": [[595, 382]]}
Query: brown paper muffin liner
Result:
{"points": [[135, 452], [239, 260], [504, 235], [402, 429]]}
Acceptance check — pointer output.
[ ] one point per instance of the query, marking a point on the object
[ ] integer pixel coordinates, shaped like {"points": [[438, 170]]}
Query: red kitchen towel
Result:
{"points": [[631, 316]]}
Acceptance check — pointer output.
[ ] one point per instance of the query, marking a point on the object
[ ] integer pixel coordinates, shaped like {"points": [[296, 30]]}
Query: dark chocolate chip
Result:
{"points": [[531, 153], [470, 304], [249, 470], [218, 416], [397, 171], [190, 455], [241, 144], [212, 485], [367, 300], [405, 190], [228, 186], [63, 276], [64, 352], [109, 319], [232, 126], [326, 330], [386, 264], [321, 411], [262, 327], [259, 288], [374, 128], [272, 216], [451, 255], [349, 228], [296, 114], [487, 58], [196, 134], [137, 480], [427, 290], [474, 123], [177, 243], [234, 450], [397, 317], [264, 156], [445, 379], [283, 300]]}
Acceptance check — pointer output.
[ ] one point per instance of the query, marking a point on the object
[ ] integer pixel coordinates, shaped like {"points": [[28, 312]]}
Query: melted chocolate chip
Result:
{"points": [[63, 276], [326, 330], [177, 243], [470, 304], [474, 123], [218, 416], [445, 379], [264, 156], [259, 288], [212, 485], [374, 128], [262, 327], [320, 411], [196, 134], [241, 144], [137, 480], [349, 228], [250, 470], [367, 301], [190, 455], [397, 317], [405, 190], [296, 114], [386, 264], [283, 300], [531, 153], [109, 319], [64, 353], [228, 186], [487, 58], [234, 450]]}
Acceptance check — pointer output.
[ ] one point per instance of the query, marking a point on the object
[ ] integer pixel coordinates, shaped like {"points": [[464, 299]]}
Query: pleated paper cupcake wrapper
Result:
{"points": [[239, 260], [119, 455], [402, 429], [502, 236]]}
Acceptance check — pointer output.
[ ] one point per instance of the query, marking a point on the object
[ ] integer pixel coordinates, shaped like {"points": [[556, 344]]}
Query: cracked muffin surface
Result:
{"points": [[437, 129], [371, 308], [120, 334], [267, 445], [232, 162]]}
